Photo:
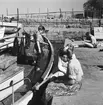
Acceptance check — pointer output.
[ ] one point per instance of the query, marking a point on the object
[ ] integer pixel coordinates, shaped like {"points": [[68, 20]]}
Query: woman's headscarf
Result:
{"points": [[67, 52]]}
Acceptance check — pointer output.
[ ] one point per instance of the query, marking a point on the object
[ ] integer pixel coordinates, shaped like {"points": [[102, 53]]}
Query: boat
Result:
{"points": [[14, 76], [11, 27]]}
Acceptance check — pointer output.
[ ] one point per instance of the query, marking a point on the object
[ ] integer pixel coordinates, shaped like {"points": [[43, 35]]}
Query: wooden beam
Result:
{"points": [[25, 99]]}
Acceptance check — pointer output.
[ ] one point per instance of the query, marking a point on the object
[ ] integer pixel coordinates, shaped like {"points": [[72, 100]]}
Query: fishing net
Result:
{"points": [[60, 89]]}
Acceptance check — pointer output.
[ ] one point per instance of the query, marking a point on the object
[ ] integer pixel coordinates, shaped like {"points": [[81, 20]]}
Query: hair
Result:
{"points": [[23, 33], [87, 36], [41, 28], [68, 53]]}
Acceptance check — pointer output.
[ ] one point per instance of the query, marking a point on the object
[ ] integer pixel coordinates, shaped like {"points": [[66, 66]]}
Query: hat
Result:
{"points": [[69, 47], [67, 52]]}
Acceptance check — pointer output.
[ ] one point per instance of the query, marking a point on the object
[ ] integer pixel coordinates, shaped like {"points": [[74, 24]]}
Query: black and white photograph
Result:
{"points": [[51, 52]]}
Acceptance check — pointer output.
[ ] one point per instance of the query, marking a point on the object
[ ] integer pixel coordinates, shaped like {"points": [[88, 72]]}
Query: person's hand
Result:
{"points": [[50, 76], [66, 48], [45, 43], [38, 69], [37, 86], [39, 51]]}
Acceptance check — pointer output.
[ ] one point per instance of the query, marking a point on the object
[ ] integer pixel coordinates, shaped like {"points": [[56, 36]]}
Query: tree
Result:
{"points": [[94, 5]]}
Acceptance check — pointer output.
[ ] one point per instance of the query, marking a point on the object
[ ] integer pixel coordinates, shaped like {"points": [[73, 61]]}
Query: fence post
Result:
{"points": [[7, 11], [2, 20], [17, 17], [11, 84]]}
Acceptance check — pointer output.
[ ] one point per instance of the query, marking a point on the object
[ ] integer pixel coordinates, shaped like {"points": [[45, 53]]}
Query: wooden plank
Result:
{"points": [[25, 99], [8, 72], [7, 24], [13, 66], [2, 57], [8, 41], [7, 61], [5, 44], [9, 36], [2, 30]]}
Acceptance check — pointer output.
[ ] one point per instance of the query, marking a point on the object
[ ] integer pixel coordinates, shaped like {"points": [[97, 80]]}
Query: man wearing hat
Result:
{"points": [[40, 43]]}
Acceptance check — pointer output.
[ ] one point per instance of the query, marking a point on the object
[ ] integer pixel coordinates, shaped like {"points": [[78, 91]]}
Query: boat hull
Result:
{"points": [[14, 75]]}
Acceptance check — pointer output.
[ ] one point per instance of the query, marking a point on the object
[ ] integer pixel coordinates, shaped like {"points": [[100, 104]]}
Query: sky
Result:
{"points": [[34, 6]]}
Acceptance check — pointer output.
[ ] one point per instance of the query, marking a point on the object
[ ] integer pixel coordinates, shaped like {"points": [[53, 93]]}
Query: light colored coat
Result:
{"points": [[74, 67]]}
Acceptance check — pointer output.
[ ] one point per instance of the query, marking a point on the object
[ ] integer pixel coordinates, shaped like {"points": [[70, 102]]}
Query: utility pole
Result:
{"points": [[2, 19], [60, 16], [27, 12], [47, 12], [92, 14], [47, 16], [17, 17], [39, 20], [7, 11], [39, 12], [72, 13]]}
